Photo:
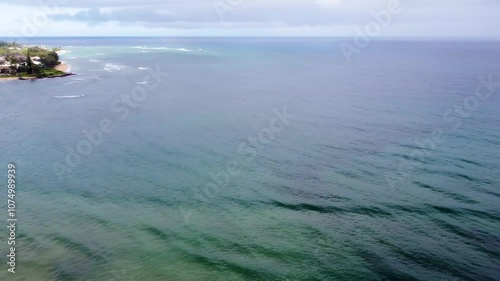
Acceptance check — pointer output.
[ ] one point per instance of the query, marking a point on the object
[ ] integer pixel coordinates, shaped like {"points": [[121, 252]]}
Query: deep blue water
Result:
{"points": [[386, 168]]}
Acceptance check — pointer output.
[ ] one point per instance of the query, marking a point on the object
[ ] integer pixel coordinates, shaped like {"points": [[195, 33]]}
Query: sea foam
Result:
{"points": [[69, 97]]}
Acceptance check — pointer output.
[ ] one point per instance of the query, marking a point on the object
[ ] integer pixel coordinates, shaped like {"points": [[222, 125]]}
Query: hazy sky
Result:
{"points": [[454, 18]]}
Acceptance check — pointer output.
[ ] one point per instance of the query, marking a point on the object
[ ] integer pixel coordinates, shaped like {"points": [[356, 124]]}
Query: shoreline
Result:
{"points": [[8, 78], [16, 63], [63, 67]]}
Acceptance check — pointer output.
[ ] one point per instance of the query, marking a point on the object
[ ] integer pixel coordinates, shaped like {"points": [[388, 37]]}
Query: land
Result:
{"points": [[30, 62], [62, 67]]}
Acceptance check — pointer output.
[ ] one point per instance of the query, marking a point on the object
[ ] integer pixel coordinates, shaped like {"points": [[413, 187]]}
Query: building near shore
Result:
{"points": [[7, 69], [21, 58]]}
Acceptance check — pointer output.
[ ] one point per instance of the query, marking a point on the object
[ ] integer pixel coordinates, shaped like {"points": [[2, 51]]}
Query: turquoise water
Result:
{"points": [[375, 174]]}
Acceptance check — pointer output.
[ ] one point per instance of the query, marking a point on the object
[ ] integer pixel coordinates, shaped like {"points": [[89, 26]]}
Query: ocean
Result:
{"points": [[256, 159]]}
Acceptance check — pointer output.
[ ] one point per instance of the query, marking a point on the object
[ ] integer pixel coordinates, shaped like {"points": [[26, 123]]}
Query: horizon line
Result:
{"points": [[254, 36]]}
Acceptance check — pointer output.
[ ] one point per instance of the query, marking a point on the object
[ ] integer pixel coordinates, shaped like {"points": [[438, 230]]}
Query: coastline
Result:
{"points": [[8, 78], [18, 78], [64, 67], [16, 63]]}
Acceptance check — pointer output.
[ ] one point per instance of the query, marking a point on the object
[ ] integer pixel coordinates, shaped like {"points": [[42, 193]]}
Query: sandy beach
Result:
{"points": [[17, 78], [8, 78], [63, 67]]}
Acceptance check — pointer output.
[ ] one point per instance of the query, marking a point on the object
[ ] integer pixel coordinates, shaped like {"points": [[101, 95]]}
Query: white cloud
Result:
{"points": [[256, 17], [329, 3]]}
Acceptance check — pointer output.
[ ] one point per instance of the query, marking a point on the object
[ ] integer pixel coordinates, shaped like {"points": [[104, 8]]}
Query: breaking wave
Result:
{"points": [[69, 97]]}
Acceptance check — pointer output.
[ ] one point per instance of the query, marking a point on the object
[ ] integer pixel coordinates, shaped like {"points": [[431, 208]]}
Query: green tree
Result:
{"points": [[29, 64], [14, 62], [50, 59]]}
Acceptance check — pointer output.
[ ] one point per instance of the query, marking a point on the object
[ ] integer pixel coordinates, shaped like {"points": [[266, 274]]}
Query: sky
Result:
{"points": [[387, 18]]}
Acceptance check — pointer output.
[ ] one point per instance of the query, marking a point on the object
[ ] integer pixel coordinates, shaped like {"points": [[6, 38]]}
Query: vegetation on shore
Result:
{"points": [[28, 61]]}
